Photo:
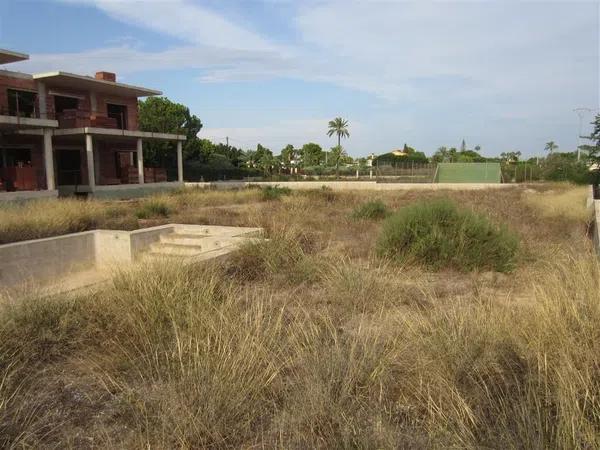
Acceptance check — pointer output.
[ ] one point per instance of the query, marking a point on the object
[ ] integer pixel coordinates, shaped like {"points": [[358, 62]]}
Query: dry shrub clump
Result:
{"points": [[371, 210], [439, 234], [287, 255]]}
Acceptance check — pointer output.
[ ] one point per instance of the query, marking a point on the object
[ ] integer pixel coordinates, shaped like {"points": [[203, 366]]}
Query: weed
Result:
{"points": [[152, 208], [274, 192], [371, 210]]}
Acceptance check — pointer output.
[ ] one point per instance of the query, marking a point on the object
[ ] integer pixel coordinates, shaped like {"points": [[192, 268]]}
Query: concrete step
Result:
{"points": [[183, 239], [221, 231], [175, 249]]}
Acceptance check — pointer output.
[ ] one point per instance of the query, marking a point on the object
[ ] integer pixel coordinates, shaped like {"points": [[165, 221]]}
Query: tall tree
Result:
{"points": [[441, 155], [337, 153], [161, 115], [550, 146], [452, 154], [463, 146], [311, 154], [338, 126], [288, 154], [594, 151]]}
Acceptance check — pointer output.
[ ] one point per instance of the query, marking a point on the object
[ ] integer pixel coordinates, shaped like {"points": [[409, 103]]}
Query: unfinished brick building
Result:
{"points": [[66, 133]]}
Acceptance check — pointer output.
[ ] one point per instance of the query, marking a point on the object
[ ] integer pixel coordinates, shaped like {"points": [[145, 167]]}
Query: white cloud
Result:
{"points": [[183, 19], [493, 63]]}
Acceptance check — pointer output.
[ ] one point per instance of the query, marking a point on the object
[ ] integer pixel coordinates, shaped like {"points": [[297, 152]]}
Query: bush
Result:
{"points": [[152, 208], [565, 167], [274, 192], [372, 210], [439, 234]]}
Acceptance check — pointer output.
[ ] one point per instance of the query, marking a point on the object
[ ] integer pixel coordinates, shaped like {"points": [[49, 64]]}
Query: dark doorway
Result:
{"points": [[62, 104], [68, 167], [16, 157], [119, 113]]}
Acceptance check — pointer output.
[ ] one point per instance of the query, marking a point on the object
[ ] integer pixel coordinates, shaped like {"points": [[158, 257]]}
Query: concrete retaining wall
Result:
{"points": [[43, 259], [27, 195], [351, 185], [126, 191]]}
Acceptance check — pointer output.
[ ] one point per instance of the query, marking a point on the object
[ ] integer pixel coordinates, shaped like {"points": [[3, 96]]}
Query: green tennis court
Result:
{"points": [[468, 173]]}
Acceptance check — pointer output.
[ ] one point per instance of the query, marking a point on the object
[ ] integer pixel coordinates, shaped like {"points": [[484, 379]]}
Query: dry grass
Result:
{"points": [[569, 202], [44, 218], [310, 341]]}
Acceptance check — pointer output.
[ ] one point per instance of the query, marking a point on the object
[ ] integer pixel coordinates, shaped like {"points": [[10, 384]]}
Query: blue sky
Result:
{"points": [[502, 75]]}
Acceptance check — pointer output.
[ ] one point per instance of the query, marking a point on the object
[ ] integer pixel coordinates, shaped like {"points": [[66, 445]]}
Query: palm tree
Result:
{"points": [[250, 157], [338, 126], [550, 146]]}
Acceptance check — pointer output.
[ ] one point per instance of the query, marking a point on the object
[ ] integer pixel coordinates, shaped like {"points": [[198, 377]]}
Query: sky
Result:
{"points": [[504, 75]]}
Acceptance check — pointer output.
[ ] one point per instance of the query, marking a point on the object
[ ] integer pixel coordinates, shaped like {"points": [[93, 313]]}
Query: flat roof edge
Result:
{"points": [[43, 75], [13, 56]]}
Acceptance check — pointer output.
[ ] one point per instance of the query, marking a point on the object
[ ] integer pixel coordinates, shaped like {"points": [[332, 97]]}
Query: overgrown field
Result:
{"points": [[318, 339]]}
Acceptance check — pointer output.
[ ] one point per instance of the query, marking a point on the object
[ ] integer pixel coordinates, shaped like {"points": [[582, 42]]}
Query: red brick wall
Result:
{"points": [[106, 158], [11, 82], [130, 102], [35, 144]]}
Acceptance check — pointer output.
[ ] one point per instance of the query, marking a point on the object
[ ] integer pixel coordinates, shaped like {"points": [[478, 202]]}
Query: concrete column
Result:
{"points": [[42, 100], [93, 102], [179, 161], [49, 160], [140, 161], [89, 153]]}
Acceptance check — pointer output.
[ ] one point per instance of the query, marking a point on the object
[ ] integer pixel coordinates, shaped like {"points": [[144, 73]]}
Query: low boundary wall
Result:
{"points": [[126, 191], [593, 206], [351, 185]]}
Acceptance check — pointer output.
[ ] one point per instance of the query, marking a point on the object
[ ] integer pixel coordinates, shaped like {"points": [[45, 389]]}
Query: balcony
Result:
{"points": [[79, 118], [14, 118], [23, 113]]}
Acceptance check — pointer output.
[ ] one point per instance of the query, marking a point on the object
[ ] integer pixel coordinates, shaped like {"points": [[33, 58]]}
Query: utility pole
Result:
{"points": [[581, 112]]}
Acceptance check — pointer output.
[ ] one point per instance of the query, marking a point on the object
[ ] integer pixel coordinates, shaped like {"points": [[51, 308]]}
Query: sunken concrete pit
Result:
{"points": [[75, 260]]}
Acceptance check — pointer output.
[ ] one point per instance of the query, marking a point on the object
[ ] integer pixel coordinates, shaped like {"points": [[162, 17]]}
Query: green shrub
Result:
{"points": [[152, 208], [274, 192], [439, 234], [372, 210]]}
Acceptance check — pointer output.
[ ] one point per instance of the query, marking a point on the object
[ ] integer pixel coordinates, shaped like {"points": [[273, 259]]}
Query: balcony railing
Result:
{"points": [[79, 118], [17, 112]]}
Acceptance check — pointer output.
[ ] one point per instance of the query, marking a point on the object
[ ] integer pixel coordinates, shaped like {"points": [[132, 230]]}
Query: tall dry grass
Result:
{"points": [[308, 340], [43, 218], [569, 202], [183, 358]]}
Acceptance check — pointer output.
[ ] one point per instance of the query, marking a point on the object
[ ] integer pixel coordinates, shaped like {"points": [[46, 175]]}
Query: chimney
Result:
{"points": [[106, 76]]}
